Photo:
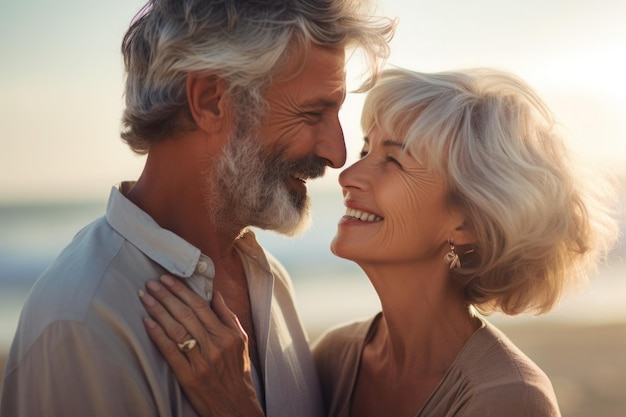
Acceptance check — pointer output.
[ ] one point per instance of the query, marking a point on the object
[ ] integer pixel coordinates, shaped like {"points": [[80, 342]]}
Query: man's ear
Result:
{"points": [[206, 100]]}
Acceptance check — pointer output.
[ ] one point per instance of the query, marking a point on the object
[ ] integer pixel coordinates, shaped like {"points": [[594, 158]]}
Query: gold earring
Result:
{"points": [[452, 258]]}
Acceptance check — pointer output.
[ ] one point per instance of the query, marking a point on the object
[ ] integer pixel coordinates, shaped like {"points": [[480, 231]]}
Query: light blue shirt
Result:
{"points": [[81, 349]]}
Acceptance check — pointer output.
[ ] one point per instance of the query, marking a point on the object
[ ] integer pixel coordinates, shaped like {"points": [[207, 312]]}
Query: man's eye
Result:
{"points": [[314, 116]]}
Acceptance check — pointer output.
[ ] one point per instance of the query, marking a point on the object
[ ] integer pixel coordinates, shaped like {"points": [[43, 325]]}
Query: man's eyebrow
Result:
{"points": [[334, 100], [323, 103]]}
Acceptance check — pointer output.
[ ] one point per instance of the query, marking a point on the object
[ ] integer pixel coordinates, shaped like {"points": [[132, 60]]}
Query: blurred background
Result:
{"points": [[61, 84]]}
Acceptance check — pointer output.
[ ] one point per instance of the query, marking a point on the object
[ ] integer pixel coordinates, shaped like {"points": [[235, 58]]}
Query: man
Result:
{"points": [[236, 105]]}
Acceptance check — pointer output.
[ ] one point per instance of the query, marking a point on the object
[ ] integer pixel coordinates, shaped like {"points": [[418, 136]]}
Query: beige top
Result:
{"points": [[490, 377], [81, 348]]}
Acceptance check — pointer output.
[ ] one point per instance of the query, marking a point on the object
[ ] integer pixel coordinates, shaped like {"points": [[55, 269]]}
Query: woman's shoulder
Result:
{"points": [[337, 354], [499, 358], [500, 377], [344, 337]]}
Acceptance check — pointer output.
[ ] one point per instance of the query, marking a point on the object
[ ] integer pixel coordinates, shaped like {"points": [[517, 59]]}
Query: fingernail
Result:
{"points": [[153, 285], [167, 280], [149, 322], [146, 298], [141, 293]]}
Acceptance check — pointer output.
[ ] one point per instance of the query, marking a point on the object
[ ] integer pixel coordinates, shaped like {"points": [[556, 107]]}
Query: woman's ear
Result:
{"points": [[461, 234], [206, 100]]}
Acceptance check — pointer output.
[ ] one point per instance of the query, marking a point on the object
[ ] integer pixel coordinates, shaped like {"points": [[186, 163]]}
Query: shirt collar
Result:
{"points": [[164, 247]]}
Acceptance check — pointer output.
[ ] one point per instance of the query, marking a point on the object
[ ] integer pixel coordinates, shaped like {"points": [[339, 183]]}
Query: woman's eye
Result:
{"points": [[393, 161]]}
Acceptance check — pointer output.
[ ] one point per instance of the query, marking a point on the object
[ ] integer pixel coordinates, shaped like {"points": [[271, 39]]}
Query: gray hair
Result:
{"points": [[241, 41], [540, 223]]}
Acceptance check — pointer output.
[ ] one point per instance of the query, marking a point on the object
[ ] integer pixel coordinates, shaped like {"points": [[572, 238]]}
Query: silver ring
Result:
{"points": [[187, 345]]}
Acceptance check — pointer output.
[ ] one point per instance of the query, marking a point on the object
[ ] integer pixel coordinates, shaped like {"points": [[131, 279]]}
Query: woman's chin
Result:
{"points": [[337, 247]]}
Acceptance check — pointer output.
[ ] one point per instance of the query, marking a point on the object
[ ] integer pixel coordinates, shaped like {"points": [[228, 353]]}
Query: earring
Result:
{"points": [[452, 258]]}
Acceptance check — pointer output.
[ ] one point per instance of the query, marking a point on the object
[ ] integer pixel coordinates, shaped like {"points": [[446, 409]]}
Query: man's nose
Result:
{"points": [[331, 145]]}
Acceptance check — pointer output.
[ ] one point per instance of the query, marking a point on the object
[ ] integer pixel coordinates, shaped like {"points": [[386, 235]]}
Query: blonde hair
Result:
{"points": [[540, 224], [242, 42]]}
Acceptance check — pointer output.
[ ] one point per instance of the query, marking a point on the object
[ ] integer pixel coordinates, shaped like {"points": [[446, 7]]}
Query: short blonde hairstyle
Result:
{"points": [[540, 224], [241, 42]]}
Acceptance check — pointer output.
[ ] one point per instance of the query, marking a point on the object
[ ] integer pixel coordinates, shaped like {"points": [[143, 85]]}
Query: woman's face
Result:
{"points": [[395, 209]]}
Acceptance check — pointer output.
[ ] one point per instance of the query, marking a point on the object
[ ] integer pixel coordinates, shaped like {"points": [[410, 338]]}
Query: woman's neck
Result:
{"points": [[426, 321], [424, 325]]}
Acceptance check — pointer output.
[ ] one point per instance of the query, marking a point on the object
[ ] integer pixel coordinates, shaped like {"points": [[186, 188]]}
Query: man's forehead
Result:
{"points": [[322, 60], [333, 96], [319, 80]]}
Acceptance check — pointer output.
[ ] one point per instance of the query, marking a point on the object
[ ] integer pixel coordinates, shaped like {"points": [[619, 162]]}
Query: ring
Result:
{"points": [[187, 345]]}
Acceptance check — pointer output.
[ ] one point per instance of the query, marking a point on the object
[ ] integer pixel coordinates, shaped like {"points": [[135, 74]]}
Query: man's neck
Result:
{"points": [[170, 190]]}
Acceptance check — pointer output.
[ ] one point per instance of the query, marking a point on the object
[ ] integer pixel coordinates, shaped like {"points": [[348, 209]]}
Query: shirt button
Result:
{"points": [[202, 266]]}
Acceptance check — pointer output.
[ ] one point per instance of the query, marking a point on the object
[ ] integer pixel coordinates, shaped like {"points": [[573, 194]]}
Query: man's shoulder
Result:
{"points": [[88, 254], [78, 276]]}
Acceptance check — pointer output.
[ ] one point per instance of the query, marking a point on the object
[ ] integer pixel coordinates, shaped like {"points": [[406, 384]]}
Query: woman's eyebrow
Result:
{"points": [[390, 142]]}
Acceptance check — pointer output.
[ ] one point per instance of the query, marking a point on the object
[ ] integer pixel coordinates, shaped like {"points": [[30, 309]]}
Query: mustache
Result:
{"points": [[311, 166]]}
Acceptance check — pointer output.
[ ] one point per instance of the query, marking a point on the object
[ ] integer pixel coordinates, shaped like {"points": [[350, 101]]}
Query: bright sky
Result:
{"points": [[61, 79]]}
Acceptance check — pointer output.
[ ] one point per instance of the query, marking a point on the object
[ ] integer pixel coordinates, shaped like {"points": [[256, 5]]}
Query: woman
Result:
{"points": [[464, 202]]}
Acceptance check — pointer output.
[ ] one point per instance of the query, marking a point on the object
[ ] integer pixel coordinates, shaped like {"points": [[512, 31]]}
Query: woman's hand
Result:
{"points": [[215, 372]]}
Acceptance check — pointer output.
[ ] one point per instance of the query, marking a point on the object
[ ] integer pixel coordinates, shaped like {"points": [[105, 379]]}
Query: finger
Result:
{"points": [[197, 304], [169, 349], [226, 315], [177, 320], [175, 333]]}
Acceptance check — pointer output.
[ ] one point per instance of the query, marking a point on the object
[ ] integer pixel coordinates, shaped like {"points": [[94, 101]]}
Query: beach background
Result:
{"points": [[581, 345], [60, 104]]}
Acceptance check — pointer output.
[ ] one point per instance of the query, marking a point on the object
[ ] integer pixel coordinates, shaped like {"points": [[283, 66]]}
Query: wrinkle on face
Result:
{"points": [[265, 166], [410, 198], [297, 105]]}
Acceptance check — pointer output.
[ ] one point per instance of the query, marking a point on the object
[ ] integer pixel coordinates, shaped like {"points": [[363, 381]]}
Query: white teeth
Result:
{"points": [[362, 215]]}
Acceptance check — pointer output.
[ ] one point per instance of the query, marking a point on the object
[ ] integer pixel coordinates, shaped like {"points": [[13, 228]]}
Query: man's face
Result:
{"points": [[263, 172], [302, 118]]}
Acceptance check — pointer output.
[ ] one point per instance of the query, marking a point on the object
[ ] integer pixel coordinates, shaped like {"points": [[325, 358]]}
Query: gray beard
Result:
{"points": [[249, 188]]}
